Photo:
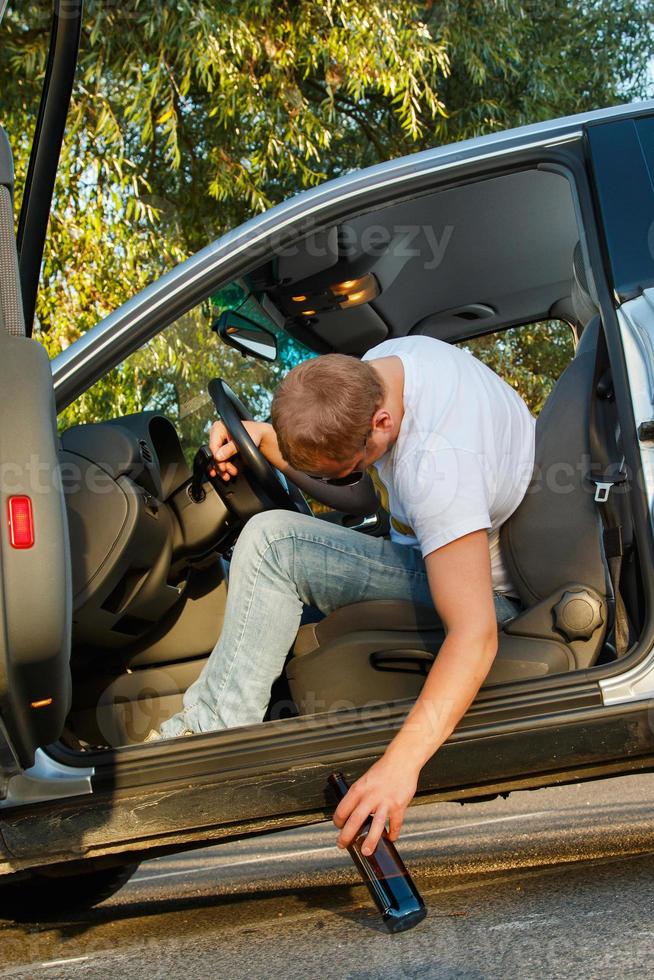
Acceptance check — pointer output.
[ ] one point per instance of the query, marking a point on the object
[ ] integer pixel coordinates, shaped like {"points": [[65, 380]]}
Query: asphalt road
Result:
{"points": [[553, 883]]}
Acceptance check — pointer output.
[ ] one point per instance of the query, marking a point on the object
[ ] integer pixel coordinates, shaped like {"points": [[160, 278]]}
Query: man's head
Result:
{"points": [[328, 415]]}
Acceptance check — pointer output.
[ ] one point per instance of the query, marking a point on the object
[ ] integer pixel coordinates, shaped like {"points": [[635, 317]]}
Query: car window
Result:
{"points": [[530, 358], [170, 373]]}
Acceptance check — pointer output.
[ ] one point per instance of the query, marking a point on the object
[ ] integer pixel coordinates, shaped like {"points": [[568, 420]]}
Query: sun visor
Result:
{"points": [[459, 321], [351, 331], [315, 253]]}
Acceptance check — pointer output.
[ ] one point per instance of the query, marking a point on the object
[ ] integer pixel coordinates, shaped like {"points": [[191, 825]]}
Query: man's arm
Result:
{"points": [[460, 582]]}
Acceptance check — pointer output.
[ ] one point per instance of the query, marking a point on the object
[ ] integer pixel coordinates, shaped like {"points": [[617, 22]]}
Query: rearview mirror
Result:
{"points": [[246, 336]]}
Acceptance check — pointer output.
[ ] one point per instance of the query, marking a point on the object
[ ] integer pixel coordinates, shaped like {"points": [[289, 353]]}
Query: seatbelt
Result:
{"points": [[11, 304], [607, 470]]}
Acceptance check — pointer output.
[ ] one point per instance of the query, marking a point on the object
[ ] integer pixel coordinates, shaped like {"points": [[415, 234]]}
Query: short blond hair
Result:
{"points": [[323, 409]]}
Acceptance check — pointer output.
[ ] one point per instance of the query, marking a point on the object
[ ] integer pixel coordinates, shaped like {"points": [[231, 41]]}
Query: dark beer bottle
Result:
{"points": [[383, 871]]}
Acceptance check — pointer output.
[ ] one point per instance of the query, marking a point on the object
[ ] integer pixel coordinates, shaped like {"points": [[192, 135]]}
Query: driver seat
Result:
{"points": [[380, 651]]}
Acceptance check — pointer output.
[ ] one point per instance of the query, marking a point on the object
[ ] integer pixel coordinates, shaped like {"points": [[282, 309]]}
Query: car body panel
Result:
{"points": [[261, 798], [636, 319], [47, 779], [626, 198]]}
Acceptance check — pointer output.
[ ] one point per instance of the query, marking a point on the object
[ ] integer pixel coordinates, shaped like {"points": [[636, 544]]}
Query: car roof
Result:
{"points": [[505, 140], [232, 254], [490, 143], [506, 256]]}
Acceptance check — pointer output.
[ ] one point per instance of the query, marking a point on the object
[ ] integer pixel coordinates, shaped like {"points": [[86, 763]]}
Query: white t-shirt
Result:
{"points": [[464, 455]]}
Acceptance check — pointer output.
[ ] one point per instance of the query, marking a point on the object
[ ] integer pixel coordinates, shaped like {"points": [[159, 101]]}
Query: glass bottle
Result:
{"points": [[384, 872]]}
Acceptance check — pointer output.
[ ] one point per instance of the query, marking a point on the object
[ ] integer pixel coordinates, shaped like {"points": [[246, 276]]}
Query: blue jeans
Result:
{"points": [[283, 561]]}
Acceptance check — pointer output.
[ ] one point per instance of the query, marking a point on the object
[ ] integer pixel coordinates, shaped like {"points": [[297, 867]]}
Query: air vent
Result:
{"points": [[146, 452]]}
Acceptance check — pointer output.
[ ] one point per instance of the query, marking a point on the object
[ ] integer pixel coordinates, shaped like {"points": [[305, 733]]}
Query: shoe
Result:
{"points": [[155, 736], [71, 741]]}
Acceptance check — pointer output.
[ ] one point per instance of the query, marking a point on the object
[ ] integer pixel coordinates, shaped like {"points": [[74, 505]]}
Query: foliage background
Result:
{"points": [[190, 116]]}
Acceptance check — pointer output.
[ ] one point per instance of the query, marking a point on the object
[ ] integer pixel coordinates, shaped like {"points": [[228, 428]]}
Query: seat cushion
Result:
{"points": [[375, 614]]}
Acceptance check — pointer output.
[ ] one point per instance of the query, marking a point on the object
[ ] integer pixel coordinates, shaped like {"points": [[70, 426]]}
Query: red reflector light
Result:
{"points": [[21, 522]]}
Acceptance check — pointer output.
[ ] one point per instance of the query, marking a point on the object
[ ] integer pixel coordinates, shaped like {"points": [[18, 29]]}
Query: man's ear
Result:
{"points": [[382, 420]]}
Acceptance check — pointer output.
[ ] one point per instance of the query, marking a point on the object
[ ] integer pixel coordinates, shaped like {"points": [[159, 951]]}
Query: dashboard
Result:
{"points": [[135, 532]]}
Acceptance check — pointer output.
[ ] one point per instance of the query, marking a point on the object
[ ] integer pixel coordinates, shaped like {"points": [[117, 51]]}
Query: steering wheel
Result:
{"points": [[233, 413]]}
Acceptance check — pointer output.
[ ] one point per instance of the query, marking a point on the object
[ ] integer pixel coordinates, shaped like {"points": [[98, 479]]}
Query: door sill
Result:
{"points": [[353, 731]]}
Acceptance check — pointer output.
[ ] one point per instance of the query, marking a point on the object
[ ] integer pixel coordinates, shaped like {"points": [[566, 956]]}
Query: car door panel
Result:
{"points": [[35, 587]]}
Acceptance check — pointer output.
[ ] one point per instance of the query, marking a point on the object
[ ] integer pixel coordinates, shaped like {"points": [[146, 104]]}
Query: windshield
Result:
{"points": [[171, 372]]}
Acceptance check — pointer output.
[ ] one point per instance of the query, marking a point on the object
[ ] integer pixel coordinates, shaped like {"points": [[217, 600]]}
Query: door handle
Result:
{"points": [[403, 661]]}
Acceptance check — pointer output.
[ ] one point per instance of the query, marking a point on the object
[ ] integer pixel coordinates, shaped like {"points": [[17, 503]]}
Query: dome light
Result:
{"points": [[354, 292]]}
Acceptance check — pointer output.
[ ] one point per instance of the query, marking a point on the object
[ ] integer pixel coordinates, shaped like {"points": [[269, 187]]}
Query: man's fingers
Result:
{"points": [[353, 824], [347, 805], [375, 832], [225, 451], [396, 819], [226, 470], [218, 434], [222, 447]]}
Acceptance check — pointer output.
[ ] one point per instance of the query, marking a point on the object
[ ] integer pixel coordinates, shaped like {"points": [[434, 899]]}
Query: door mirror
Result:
{"points": [[246, 336]]}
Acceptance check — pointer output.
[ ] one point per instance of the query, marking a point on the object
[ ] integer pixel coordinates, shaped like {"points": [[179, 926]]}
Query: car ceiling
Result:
{"points": [[462, 261]]}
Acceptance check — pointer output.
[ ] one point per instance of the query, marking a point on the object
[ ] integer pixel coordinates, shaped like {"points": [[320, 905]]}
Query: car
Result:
{"points": [[114, 558]]}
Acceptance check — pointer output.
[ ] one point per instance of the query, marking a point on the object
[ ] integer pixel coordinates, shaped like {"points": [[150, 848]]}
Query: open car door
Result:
{"points": [[35, 569], [35, 586]]}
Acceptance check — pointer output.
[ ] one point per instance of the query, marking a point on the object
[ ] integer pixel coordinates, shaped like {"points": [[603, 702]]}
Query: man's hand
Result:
{"points": [[223, 447], [385, 790]]}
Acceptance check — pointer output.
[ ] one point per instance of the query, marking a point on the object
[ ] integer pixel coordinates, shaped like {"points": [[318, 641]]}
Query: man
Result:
{"points": [[451, 449]]}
